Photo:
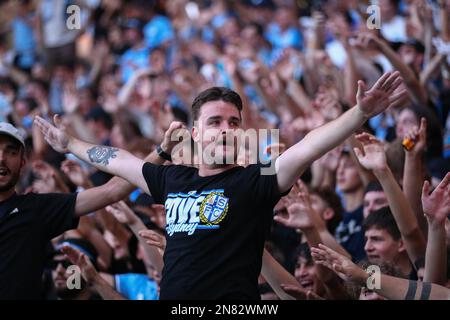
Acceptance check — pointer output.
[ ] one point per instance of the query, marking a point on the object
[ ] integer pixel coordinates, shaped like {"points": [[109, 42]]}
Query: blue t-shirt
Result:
{"points": [[139, 58], [24, 41], [135, 286], [350, 233], [23, 35], [157, 31], [280, 40]]}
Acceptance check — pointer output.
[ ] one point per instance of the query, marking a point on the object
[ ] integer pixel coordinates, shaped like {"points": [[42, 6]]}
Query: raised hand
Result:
{"points": [[122, 213], [373, 157], [78, 258], [153, 238], [284, 67], [43, 170], [300, 293], [367, 40], [298, 205], [328, 105], [330, 160], [46, 175], [341, 265], [73, 170], [43, 186], [419, 136], [172, 136], [436, 205], [70, 99], [274, 150], [381, 96], [55, 135]]}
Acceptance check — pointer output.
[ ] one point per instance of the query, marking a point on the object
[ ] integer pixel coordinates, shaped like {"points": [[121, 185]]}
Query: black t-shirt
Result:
{"points": [[216, 228], [27, 223], [350, 233]]}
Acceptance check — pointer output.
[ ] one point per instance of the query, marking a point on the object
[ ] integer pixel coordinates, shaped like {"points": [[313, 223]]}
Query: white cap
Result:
{"points": [[10, 130]]}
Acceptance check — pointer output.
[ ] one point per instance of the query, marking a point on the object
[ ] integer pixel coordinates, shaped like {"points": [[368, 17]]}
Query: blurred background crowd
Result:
{"points": [[130, 68]]}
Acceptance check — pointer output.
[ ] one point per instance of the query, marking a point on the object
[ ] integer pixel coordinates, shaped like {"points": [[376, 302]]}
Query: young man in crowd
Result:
{"points": [[384, 243], [28, 222], [219, 213], [349, 232]]}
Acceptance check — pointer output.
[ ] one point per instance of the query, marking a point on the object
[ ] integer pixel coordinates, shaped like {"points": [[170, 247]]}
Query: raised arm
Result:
{"points": [[90, 275], [108, 159], [300, 212], [117, 188], [275, 275], [292, 163], [436, 207], [125, 215], [374, 158], [414, 172], [390, 287], [301, 215], [411, 81]]}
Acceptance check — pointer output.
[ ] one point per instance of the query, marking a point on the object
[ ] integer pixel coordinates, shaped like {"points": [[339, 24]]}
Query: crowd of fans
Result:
{"points": [[131, 68]]}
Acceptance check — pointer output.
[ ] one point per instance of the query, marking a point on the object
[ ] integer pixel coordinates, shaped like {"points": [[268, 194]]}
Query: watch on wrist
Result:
{"points": [[163, 154]]}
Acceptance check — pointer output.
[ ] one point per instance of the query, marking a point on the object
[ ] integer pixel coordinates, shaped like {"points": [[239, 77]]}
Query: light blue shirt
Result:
{"points": [[157, 31], [135, 286], [136, 57]]}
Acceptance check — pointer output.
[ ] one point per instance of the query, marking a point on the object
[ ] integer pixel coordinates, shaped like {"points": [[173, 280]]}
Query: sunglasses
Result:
{"points": [[53, 264]]}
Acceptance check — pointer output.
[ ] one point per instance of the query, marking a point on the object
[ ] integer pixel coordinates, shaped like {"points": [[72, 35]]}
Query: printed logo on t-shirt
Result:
{"points": [[187, 212], [214, 208]]}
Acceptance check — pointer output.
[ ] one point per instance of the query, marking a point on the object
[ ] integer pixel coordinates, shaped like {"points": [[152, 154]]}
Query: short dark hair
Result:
{"points": [[302, 251], [373, 186], [215, 94], [384, 220], [333, 201], [99, 114]]}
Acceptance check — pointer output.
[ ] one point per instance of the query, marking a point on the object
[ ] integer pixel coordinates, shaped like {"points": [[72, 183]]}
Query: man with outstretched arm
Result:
{"points": [[218, 215], [29, 221]]}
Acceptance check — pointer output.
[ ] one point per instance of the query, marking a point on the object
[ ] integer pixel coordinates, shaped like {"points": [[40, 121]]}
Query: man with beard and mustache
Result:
{"points": [[59, 265], [219, 214], [28, 222]]}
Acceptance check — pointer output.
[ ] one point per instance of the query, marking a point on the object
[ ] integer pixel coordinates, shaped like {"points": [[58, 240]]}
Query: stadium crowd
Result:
{"points": [[124, 74]]}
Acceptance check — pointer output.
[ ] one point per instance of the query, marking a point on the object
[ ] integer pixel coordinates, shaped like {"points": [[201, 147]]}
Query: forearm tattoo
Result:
{"points": [[101, 154], [426, 290], [412, 290]]}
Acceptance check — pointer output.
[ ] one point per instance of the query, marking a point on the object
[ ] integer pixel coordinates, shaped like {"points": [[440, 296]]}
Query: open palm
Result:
{"points": [[341, 265], [436, 205], [381, 96], [373, 156], [78, 258], [298, 207], [55, 135]]}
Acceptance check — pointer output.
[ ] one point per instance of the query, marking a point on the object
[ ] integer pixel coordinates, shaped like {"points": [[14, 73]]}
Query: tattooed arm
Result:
{"points": [[108, 159], [389, 287]]}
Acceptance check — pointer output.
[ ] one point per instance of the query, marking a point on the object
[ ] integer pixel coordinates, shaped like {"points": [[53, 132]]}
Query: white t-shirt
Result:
{"points": [[54, 16], [394, 30]]}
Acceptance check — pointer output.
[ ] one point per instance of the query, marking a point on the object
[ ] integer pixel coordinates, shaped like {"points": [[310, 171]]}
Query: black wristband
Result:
{"points": [[163, 154]]}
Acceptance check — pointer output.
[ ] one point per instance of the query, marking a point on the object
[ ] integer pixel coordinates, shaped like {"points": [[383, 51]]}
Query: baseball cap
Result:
{"points": [[10, 130]]}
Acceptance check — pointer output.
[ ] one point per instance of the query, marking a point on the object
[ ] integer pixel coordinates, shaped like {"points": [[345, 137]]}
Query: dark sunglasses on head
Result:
{"points": [[53, 264]]}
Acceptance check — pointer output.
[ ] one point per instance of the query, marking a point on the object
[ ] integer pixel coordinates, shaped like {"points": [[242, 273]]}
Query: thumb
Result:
{"points": [[361, 89], [280, 219], [423, 126], [358, 153], [58, 121], [338, 268], [425, 189]]}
